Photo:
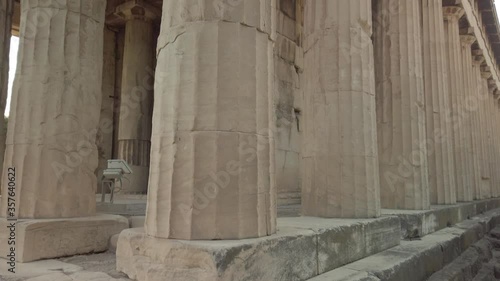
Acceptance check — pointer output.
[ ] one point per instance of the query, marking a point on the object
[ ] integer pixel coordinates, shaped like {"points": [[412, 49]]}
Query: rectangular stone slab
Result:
{"points": [[51, 238], [302, 248]]}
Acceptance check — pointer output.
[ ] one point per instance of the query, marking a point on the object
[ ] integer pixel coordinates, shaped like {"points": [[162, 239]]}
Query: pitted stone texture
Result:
{"points": [[212, 154], [6, 11], [441, 171], [339, 146], [55, 108], [302, 248], [467, 192], [400, 105], [50, 238]]}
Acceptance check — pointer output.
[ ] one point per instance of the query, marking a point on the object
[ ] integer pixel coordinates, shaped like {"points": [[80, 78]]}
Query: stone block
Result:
{"points": [[50, 238], [289, 255], [302, 248]]}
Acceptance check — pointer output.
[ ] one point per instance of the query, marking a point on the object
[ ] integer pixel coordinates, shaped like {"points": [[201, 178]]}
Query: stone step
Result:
{"points": [[420, 223], [417, 260], [302, 248]]}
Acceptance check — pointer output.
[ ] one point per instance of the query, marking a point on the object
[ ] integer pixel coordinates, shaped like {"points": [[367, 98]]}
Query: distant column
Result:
{"points": [[340, 158], [136, 99], [467, 193], [451, 15], [437, 103], [476, 123], [400, 105]]}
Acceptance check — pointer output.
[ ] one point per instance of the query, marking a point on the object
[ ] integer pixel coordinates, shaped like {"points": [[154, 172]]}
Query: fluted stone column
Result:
{"points": [[476, 125], [437, 105], [136, 100], [470, 105], [212, 162], [340, 158], [55, 109], [485, 138], [106, 125], [6, 11], [451, 15], [400, 105], [491, 141]]}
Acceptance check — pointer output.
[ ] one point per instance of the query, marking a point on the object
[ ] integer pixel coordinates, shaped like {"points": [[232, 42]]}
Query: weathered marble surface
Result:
{"points": [[55, 108], [212, 156], [441, 171], [400, 105], [339, 145]]}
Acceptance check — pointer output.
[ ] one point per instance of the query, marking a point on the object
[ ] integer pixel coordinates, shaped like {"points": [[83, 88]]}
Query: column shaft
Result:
{"points": [[476, 127], [340, 159], [106, 125], [452, 15], [472, 162], [491, 141], [55, 109], [437, 104], [400, 105], [481, 96], [136, 102], [6, 11], [212, 154]]}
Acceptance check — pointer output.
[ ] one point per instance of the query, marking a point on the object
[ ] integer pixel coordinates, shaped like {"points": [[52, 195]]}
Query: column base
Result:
{"points": [[301, 249], [38, 239]]}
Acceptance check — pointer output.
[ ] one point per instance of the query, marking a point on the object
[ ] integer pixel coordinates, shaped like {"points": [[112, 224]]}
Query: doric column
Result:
{"points": [[6, 11], [400, 105], [451, 15], [106, 125], [437, 104], [55, 109], [491, 139], [467, 193], [136, 100], [476, 124], [340, 159], [485, 141], [212, 161]]}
